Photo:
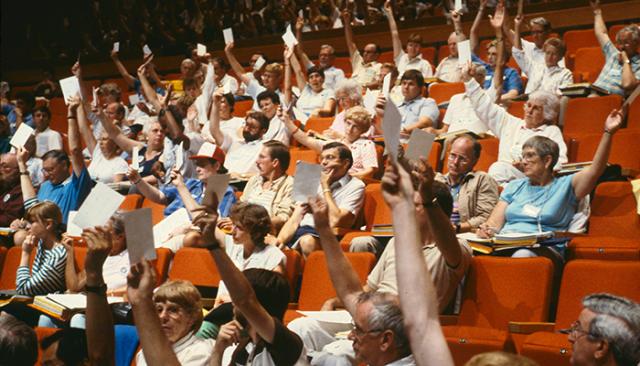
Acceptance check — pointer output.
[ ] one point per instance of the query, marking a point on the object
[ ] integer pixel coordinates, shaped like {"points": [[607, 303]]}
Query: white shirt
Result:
{"points": [[102, 169], [417, 63], [332, 75], [277, 131], [541, 77], [230, 127], [536, 54], [115, 270], [460, 115], [406, 361], [448, 70], [204, 99], [48, 140], [363, 73], [190, 351], [310, 100], [511, 130], [347, 192], [34, 166], [254, 89], [241, 155]]}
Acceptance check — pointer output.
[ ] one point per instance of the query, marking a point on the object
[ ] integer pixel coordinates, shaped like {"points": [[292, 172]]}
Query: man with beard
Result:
{"points": [[11, 204], [241, 153]]}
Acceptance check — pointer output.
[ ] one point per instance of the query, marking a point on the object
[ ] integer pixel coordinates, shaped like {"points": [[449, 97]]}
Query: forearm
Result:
{"points": [[629, 81], [85, 131], [149, 191], [75, 148], [336, 216], [599, 27], [301, 79], [156, 348], [100, 332], [444, 236], [124, 73], [473, 33], [25, 182], [149, 93], [70, 274], [365, 173], [189, 202], [306, 140], [236, 67], [287, 82], [421, 123]]}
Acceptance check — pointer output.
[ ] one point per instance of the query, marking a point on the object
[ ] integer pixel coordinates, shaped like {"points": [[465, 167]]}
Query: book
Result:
{"points": [[448, 135], [65, 305], [582, 90], [11, 296], [505, 241]]}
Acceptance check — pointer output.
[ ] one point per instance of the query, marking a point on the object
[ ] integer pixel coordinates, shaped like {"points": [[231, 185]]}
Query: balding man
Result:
{"points": [[11, 203], [365, 66]]}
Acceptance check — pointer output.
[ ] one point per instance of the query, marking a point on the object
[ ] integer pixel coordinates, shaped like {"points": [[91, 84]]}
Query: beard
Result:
{"points": [[248, 137]]}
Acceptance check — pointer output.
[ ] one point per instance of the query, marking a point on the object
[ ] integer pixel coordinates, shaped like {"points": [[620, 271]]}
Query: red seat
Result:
{"points": [[587, 65], [195, 265], [293, 271], [489, 155], [308, 156], [442, 92], [241, 107], [10, 266], [131, 202], [374, 212], [625, 149], [587, 115], [157, 210], [318, 124], [576, 39]]}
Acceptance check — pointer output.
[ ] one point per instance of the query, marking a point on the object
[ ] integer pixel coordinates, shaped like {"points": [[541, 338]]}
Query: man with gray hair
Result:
{"points": [[540, 114], [326, 57], [607, 332]]}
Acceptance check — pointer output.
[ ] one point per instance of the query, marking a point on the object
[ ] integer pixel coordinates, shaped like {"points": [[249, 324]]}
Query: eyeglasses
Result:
{"points": [[529, 156], [460, 158], [575, 331], [358, 332]]}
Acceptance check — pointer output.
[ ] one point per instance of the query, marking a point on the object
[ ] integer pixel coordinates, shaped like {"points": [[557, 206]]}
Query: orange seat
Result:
{"points": [[442, 92], [195, 265], [10, 266], [305, 155], [131, 202], [633, 119], [614, 225], [344, 64], [316, 285], [59, 123], [624, 148], [429, 54], [587, 115], [386, 56], [293, 271], [580, 278], [443, 52], [489, 154], [3, 254], [516, 108], [498, 290], [318, 124], [58, 107], [374, 212], [157, 210], [587, 65], [241, 107], [576, 39]]}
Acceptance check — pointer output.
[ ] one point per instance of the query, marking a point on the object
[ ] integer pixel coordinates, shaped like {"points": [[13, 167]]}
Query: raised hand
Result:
{"points": [[23, 155], [320, 211], [288, 52], [141, 281], [517, 22], [176, 178], [396, 186], [76, 70], [455, 16], [299, 24], [424, 175], [498, 17], [99, 246], [595, 4], [468, 71], [387, 7], [229, 47], [133, 175], [74, 103], [208, 224], [229, 334], [613, 122], [30, 242]]}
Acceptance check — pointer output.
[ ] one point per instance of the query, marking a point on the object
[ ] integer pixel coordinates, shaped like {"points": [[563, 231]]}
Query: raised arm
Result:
{"points": [[75, 147], [26, 185], [599, 27], [457, 26], [147, 190], [74, 281], [190, 203], [148, 90], [287, 75], [487, 111], [474, 39], [304, 59], [348, 32], [235, 65], [85, 130], [301, 77], [498, 74], [344, 278], [214, 119], [415, 287], [393, 27], [585, 181], [306, 140], [123, 70]]}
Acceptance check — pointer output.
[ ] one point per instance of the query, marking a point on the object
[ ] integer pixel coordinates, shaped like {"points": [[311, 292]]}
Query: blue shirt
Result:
{"points": [[553, 205], [412, 110], [196, 188], [9, 110], [510, 78], [69, 194], [610, 77]]}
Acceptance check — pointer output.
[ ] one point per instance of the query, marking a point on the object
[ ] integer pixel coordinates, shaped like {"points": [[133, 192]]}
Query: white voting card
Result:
{"points": [[98, 207], [306, 181]]}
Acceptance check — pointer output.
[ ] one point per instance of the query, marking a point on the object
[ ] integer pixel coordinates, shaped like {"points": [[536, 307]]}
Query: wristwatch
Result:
{"points": [[458, 228], [99, 290]]}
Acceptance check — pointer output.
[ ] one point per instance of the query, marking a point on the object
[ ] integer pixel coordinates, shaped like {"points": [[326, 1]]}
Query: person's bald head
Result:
{"points": [[9, 173]]}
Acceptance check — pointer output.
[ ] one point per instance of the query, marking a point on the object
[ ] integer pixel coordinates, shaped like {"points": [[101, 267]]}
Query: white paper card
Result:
{"points": [[386, 85], [464, 52], [338, 23], [216, 184], [391, 129], [458, 5], [259, 62], [21, 136], [289, 38], [73, 229], [227, 33], [135, 158], [98, 207], [226, 88], [333, 316], [134, 99], [138, 228], [146, 50], [162, 229], [78, 301], [201, 50], [116, 46], [300, 116], [306, 181], [70, 87], [420, 143], [179, 157], [301, 13], [369, 101]]}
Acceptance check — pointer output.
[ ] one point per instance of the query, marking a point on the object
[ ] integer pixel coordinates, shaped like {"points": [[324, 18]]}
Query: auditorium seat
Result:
{"points": [[580, 278], [3, 254], [516, 108], [374, 212], [587, 115], [575, 39], [131, 202], [318, 124], [306, 155], [195, 265], [633, 117], [157, 210], [343, 63], [41, 334], [587, 65], [442, 92], [161, 264], [625, 149], [386, 56], [316, 285], [10, 266], [489, 154], [429, 54], [443, 52], [58, 107], [498, 290], [294, 266], [241, 107]]}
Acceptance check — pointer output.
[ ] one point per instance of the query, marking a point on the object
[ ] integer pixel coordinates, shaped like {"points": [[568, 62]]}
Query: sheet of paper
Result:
{"points": [[301, 13], [420, 143], [162, 229], [464, 52], [201, 49], [386, 85], [21, 136], [226, 88], [78, 301], [632, 97], [333, 316], [70, 87], [134, 99], [338, 23], [138, 228], [289, 38], [259, 62], [369, 101], [135, 158], [300, 116], [146, 50], [73, 229], [391, 129], [306, 181], [457, 5], [116, 46], [179, 157], [98, 207], [227, 33], [216, 185]]}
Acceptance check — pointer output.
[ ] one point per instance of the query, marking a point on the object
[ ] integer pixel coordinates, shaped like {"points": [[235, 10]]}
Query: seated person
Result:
{"points": [[541, 111], [222, 76], [474, 193], [395, 91], [12, 204], [241, 153], [343, 193], [46, 138], [416, 111], [448, 69], [357, 124], [548, 76], [208, 162], [365, 66], [348, 95], [315, 99], [19, 342], [326, 58], [21, 112], [542, 202], [621, 71], [269, 103], [540, 29], [229, 124]]}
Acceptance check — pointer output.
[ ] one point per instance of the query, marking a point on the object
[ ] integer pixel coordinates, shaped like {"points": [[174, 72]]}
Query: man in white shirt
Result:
{"points": [[365, 66], [46, 138], [540, 31]]}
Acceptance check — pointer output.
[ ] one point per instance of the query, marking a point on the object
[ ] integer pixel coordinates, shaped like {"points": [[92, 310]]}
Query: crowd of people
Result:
{"points": [[182, 135]]}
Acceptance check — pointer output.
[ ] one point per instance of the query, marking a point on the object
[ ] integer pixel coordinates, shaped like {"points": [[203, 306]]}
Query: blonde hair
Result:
{"points": [[360, 116], [274, 68], [500, 359], [186, 295]]}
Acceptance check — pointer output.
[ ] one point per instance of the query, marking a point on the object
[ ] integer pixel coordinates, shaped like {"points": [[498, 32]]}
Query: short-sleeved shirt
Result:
{"points": [[412, 110], [364, 73], [196, 188], [277, 131], [309, 100], [552, 206], [254, 89], [69, 194], [9, 111], [104, 170], [347, 192], [364, 155], [542, 77], [241, 155], [332, 75], [417, 63], [190, 350], [536, 54], [48, 140], [448, 70], [460, 115], [510, 78], [115, 270], [610, 77]]}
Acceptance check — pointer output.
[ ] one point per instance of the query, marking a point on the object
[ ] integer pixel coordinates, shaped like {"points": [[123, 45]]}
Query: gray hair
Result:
{"points": [[351, 88], [550, 104], [386, 315], [546, 25], [328, 47], [617, 321], [543, 146], [480, 69], [633, 29]]}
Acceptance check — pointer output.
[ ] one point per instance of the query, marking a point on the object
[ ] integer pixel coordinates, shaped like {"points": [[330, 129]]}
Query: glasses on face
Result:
{"points": [[529, 156], [359, 332], [575, 331], [459, 158]]}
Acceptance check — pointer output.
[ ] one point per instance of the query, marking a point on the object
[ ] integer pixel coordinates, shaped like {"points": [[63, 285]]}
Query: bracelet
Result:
{"points": [[71, 117], [326, 190], [24, 173], [98, 290], [607, 131], [294, 131], [136, 182]]}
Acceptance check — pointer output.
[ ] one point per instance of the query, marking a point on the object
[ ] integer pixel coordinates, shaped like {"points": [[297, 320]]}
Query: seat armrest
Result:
{"points": [[448, 319], [292, 306], [530, 327]]}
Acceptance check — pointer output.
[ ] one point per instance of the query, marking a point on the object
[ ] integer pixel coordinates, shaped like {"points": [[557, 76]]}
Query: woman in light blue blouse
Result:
{"points": [[47, 275], [542, 202]]}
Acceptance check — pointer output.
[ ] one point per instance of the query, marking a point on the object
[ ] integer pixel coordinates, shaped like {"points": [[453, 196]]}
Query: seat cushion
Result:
{"points": [[547, 348]]}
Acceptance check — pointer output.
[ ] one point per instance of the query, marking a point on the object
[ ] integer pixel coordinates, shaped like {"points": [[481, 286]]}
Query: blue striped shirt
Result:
{"points": [[47, 274]]}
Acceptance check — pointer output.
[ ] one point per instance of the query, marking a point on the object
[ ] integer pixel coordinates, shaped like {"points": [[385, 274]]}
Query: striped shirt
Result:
{"points": [[47, 274]]}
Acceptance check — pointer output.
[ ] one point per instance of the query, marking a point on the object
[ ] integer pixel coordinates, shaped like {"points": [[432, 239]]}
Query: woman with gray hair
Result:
{"points": [[540, 114], [542, 202], [348, 94]]}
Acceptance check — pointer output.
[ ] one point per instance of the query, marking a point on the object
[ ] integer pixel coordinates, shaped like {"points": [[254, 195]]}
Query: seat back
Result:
{"points": [[157, 210], [308, 156], [516, 108], [588, 63], [316, 285], [499, 290], [613, 211], [161, 263], [582, 277], [624, 148], [429, 54], [489, 154], [587, 115], [3, 254], [195, 265], [131, 202], [318, 124], [293, 271], [443, 52], [241, 107], [344, 64], [442, 92], [374, 210], [386, 56], [10, 266], [633, 119], [575, 39]]}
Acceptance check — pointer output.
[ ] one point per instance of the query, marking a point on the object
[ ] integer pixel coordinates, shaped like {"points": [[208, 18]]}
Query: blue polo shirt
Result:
{"points": [[196, 188], [510, 78], [69, 194]]}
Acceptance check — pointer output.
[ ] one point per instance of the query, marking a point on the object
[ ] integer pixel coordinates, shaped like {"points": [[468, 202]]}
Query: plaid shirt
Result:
{"points": [[610, 77]]}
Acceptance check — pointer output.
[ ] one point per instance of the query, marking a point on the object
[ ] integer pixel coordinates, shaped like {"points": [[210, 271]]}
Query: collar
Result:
{"points": [[184, 342], [536, 129], [406, 361], [275, 182], [417, 58], [340, 182], [467, 177], [407, 102]]}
